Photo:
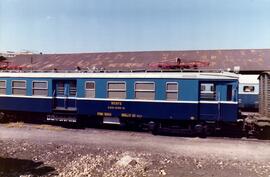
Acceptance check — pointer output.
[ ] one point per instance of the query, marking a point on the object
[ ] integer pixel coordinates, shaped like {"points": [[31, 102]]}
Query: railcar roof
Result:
{"points": [[176, 75], [249, 79]]}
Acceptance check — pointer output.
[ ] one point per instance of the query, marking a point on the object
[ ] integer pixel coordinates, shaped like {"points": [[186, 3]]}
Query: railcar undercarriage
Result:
{"points": [[256, 125], [251, 124]]}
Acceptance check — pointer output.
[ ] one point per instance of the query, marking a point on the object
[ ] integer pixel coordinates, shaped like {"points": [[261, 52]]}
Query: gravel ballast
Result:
{"points": [[29, 151]]}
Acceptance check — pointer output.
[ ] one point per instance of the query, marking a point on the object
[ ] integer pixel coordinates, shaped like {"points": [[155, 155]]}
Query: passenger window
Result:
{"points": [[207, 92], [2, 87], [248, 88], [171, 91], [117, 90], [19, 87], [40, 88], [145, 90], [90, 89]]}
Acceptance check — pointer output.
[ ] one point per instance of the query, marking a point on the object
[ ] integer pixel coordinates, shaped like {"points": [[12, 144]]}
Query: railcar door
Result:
{"points": [[209, 104], [65, 92]]}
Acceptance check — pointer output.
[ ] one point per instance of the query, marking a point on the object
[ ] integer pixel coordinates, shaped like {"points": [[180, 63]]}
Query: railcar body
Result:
{"points": [[249, 92], [200, 98]]}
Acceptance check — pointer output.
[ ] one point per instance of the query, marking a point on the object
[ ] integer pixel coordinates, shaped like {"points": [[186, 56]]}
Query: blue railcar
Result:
{"points": [[160, 97], [249, 93]]}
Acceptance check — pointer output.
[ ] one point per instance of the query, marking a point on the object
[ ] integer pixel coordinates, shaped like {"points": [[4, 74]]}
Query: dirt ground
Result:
{"points": [[30, 150]]}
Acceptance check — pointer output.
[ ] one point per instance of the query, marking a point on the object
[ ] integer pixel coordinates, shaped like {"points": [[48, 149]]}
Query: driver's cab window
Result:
{"points": [[207, 92]]}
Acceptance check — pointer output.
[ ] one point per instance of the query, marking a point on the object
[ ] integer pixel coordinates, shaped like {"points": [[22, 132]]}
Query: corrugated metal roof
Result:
{"points": [[248, 60], [183, 75]]}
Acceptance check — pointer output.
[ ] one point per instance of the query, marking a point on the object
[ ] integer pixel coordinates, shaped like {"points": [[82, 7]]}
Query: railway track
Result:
{"points": [[70, 151], [236, 135]]}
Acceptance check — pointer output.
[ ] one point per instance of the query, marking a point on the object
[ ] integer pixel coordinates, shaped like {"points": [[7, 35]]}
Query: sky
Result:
{"points": [[73, 26]]}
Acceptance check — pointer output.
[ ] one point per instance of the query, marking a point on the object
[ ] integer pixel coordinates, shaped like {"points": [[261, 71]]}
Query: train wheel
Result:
{"points": [[2, 117], [154, 127], [201, 130]]}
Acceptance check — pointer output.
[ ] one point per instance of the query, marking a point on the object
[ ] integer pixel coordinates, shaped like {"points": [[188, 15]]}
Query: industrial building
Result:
{"points": [[252, 61]]}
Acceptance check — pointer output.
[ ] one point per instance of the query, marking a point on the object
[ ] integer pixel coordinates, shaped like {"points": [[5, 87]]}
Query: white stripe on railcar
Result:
{"points": [[127, 100]]}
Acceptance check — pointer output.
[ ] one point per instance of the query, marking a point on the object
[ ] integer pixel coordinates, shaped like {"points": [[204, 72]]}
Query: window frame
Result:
{"points": [[144, 82], [212, 85], [23, 88], [4, 87], [45, 81], [172, 91], [117, 90], [85, 89], [251, 91], [210, 91]]}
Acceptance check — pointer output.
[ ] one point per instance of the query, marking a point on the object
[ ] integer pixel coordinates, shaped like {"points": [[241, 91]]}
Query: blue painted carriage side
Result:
{"points": [[29, 85], [41, 105], [255, 85], [227, 112], [139, 109], [188, 91], [235, 88], [159, 110], [221, 89], [248, 101], [216, 110], [144, 110], [65, 103], [209, 111], [130, 89], [187, 88], [80, 88]]}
